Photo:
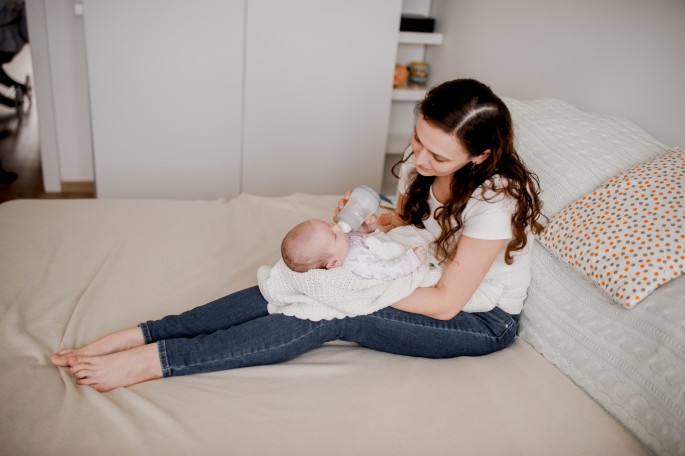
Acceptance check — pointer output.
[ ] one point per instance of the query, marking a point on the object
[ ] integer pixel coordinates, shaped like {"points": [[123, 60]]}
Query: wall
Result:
{"points": [[624, 57], [612, 56]]}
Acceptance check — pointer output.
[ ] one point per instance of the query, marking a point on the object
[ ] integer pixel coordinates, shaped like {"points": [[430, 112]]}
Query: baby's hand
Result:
{"points": [[420, 253], [388, 221]]}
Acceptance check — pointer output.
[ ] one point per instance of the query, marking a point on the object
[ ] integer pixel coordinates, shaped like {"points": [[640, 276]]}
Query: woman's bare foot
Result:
{"points": [[111, 343], [120, 369]]}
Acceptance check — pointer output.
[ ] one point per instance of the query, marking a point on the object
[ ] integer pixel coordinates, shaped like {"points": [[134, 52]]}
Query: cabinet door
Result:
{"points": [[166, 96], [318, 85]]}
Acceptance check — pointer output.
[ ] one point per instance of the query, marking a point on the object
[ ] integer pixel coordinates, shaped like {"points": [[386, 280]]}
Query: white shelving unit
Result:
{"points": [[411, 47], [408, 94], [397, 143], [419, 38]]}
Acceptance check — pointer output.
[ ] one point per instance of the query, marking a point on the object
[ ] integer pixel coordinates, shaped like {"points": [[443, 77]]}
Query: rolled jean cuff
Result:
{"points": [[146, 332], [163, 358]]}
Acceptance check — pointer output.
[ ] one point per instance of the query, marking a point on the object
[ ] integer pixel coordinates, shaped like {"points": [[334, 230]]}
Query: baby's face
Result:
{"points": [[329, 238]]}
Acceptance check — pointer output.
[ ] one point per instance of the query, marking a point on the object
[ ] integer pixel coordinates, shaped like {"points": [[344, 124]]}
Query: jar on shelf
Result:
{"points": [[418, 74]]}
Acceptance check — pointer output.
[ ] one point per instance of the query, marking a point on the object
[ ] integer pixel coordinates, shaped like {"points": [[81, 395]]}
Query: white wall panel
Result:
{"points": [[166, 96], [318, 93]]}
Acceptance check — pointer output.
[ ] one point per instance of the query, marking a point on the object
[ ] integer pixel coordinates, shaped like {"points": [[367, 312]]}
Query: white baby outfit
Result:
{"points": [[363, 262]]}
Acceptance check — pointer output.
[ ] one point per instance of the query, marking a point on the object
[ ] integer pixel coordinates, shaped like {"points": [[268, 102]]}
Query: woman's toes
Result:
{"points": [[58, 360], [79, 369], [61, 358], [87, 381]]}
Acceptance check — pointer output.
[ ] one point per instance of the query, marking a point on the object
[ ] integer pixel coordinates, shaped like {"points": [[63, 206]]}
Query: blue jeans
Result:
{"points": [[237, 331]]}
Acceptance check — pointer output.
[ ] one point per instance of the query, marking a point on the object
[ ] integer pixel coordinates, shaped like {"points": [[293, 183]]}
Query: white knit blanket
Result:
{"points": [[324, 294]]}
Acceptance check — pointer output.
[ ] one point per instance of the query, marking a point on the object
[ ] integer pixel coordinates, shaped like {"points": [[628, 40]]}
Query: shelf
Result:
{"points": [[420, 38], [408, 94], [389, 187], [397, 143]]}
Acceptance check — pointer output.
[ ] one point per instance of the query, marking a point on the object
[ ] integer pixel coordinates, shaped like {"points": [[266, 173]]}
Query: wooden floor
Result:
{"points": [[20, 144]]}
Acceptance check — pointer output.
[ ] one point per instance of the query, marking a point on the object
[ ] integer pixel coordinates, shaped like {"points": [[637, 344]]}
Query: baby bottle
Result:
{"points": [[362, 203]]}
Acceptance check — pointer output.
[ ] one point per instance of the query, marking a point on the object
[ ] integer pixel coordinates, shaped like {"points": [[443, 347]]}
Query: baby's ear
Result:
{"points": [[333, 264]]}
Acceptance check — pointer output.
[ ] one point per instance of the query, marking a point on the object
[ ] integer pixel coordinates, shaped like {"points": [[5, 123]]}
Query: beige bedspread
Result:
{"points": [[72, 271]]}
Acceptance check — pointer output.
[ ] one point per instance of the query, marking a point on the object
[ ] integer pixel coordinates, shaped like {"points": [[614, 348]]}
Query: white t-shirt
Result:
{"points": [[487, 216]]}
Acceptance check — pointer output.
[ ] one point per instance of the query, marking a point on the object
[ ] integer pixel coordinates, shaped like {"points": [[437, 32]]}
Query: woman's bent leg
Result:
{"points": [[467, 334], [223, 313], [266, 340]]}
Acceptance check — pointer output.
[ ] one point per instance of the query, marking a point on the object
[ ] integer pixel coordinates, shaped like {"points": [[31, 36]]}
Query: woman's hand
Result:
{"points": [[369, 225], [388, 221], [460, 279], [341, 203]]}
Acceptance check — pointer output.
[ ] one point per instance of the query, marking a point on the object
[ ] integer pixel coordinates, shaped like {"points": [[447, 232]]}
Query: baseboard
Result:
{"points": [[78, 187]]}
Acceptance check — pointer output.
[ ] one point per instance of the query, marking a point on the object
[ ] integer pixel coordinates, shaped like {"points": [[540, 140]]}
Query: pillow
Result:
{"points": [[573, 151], [627, 236]]}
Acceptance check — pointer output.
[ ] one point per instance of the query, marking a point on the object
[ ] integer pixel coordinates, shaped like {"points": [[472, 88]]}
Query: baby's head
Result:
{"points": [[314, 244]]}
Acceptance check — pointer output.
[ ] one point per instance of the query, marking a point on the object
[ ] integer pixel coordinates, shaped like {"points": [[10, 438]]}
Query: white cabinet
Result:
{"points": [[318, 86], [207, 99], [165, 81]]}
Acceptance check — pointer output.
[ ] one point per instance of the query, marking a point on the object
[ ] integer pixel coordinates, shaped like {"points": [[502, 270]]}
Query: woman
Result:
{"points": [[461, 179]]}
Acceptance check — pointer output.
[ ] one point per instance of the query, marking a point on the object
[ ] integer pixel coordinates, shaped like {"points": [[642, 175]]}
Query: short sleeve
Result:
{"points": [[489, 216]]}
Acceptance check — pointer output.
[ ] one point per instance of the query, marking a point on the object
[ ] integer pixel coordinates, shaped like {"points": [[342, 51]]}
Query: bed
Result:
{"points": [[585, 376]]}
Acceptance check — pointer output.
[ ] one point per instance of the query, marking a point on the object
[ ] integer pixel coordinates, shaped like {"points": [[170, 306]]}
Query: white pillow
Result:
{"points": [[572, 151]]}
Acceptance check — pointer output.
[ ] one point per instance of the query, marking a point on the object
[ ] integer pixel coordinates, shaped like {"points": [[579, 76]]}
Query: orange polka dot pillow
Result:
{"points": [[627, 236]]}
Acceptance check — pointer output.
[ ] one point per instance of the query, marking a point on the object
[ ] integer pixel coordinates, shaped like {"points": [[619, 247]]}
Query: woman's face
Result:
{"points": [[438, 153]]}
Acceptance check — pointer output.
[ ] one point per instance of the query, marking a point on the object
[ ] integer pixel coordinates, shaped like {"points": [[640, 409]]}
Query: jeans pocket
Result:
{"points": [[501, 322]]}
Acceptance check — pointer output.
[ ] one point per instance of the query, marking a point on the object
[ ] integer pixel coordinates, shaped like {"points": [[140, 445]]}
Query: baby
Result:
{"points": [[315, 244]]}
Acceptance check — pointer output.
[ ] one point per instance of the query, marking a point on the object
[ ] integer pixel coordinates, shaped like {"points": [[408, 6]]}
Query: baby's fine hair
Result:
{"points": [[296, 251]]}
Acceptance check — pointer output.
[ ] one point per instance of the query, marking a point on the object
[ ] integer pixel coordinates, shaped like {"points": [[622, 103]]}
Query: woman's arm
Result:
{"points": [[460, 279]]}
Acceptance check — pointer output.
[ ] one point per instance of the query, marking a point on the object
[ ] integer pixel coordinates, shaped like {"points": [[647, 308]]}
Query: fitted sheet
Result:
{"points": [[72, 271]]}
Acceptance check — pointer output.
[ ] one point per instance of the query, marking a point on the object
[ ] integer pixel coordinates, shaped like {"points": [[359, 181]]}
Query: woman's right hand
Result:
{"points": [[369, 225]]}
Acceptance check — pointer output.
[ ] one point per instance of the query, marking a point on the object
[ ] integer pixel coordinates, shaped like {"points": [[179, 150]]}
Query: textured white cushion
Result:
{"points": [[572, 151], [632, 363]]}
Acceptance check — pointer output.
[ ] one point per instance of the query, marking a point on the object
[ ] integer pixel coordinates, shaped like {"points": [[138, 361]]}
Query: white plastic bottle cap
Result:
{"points": [[344, 227]]}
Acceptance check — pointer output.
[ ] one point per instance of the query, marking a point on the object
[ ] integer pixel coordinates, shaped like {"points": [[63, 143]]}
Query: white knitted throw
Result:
{"points": [[324, 294]]}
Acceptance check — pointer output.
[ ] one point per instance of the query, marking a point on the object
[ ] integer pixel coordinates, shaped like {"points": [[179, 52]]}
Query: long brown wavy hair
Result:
{"points": [[480, 120]]}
